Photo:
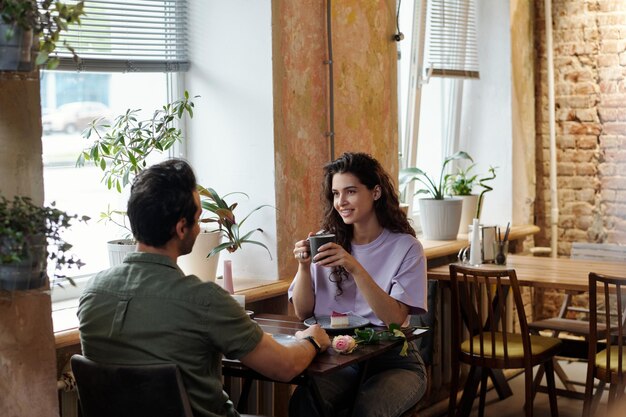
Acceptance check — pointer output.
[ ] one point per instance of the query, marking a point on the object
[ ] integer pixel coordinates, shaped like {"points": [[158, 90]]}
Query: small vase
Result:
{"points": [[228, 277], [470, 205]]}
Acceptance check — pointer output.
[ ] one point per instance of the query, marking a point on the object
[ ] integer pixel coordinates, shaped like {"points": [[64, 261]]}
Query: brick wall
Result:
{"points": [[590, 93]]}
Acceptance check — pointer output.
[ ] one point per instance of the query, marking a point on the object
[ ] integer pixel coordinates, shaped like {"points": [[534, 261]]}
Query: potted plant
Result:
{"points": [[461, 184], [229, 235], [122, 152], [25, 21], [439, 216], [30, 236], [224, 216]]}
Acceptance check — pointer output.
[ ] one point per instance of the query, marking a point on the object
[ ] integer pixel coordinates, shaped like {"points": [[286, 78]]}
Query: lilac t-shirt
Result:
{"points": [[394, 260]]}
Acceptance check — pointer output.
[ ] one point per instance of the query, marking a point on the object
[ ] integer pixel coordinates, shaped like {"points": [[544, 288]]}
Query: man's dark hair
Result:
{"points": [[160, 196]]}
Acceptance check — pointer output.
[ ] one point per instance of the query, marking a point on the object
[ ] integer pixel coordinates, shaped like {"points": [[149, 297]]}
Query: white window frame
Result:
{"points": [[173, 66], [419, 75]]}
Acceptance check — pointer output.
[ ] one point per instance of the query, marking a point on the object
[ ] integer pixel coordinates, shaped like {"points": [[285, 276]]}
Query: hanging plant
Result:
{"points": [[46, 20]]}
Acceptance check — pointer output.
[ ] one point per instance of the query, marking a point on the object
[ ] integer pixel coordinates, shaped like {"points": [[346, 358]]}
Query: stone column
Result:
{"points": [[27, 352], [365, 102]]}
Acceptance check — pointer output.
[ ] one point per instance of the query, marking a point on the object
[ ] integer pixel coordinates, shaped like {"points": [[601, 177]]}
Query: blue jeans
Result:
{"points": [[392, 385]]}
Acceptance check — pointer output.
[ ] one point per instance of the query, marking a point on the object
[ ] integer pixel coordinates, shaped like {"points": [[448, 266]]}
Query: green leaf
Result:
{"points": [[220, 248], [254, 242]]}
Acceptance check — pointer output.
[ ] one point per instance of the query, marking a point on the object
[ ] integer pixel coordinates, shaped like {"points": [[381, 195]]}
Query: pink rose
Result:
{"points": [[344, 344]]}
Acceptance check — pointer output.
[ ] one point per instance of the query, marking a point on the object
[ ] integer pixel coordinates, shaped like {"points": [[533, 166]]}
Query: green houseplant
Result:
{"points": [[437, 188], [224, 216], [461, 184], [439, 216], [23, 21], [124, 147], [122, 151], [30, 235]]}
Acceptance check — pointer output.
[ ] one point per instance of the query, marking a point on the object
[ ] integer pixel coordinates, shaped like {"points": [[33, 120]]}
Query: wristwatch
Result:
{"points": [[316, 345]]}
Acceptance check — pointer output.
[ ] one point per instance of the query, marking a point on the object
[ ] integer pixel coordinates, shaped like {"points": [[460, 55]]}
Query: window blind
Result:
{"points": [[129, 36], [451, 47]]}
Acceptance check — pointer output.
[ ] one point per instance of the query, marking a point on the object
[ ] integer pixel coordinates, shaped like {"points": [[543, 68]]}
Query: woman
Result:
{"points": [[377, 270]]}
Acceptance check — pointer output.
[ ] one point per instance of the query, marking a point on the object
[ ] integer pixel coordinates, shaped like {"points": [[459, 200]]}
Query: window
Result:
{"points": [[430, 101], [130, 55]]}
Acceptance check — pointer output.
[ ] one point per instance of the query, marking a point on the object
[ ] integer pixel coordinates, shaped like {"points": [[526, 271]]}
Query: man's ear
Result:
{"points": [[181, 226]]}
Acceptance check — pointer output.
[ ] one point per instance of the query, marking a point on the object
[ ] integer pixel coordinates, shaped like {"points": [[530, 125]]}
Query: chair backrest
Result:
{"points": [[106, 390], [479, 303], [608, 292]]}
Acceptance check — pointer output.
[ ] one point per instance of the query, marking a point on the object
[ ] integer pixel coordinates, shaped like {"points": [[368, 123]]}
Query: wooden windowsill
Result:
{"points": [[438, 248]]}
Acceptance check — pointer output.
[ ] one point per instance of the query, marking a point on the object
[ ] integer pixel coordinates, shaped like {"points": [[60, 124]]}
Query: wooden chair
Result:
{"points": [[479, 298], [562, 325], [106, 390], [607, 351]]}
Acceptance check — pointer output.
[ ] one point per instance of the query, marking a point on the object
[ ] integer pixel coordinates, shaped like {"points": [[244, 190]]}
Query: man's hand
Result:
{"points": [[318, 333]]}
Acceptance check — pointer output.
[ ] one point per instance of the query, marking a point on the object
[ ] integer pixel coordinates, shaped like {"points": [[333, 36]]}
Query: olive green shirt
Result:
{"points": [[147, 311]]}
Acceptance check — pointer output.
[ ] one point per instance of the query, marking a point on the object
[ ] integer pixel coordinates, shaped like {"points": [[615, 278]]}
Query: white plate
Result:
{"points": [[354, 322]]}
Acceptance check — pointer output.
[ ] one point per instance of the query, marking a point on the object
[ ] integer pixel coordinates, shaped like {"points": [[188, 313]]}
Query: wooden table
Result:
{"points": [[563, 274], [553, 273], [323, 364]]}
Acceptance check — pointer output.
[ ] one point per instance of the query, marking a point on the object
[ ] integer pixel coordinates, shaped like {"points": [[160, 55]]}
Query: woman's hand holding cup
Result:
{"points": [[302, 251]]}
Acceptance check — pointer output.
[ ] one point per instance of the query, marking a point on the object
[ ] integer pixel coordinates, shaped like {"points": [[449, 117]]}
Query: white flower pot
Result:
{"points": [[470, 205], [196, 262], [440, 218], [118, 250]]}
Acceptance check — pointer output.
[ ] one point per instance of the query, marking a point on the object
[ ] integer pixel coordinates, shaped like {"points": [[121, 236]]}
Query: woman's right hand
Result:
{"points": [[302, 250]]}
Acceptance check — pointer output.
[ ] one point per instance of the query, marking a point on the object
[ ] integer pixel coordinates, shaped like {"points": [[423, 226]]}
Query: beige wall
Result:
{"points": [[365, 102], [27, 356]]}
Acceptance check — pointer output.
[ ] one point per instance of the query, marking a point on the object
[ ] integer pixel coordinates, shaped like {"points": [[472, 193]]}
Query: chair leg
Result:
{"points": [[549, 367], [499, 383], [469, 392], [588, 391], [454, 387], [528, 385], [483, 391], [560, 373], [537, 381], [612, 394], [596, 398]]}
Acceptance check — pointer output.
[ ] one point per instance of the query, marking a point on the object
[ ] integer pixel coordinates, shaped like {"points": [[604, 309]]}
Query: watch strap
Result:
{"points": [[316, 345]]}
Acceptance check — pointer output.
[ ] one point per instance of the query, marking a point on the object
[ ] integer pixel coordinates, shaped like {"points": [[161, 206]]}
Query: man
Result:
{"points": [[147, 311]]}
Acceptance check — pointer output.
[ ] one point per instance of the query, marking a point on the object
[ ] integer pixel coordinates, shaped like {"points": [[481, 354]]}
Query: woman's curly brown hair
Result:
{"points": [[370, 173]]}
